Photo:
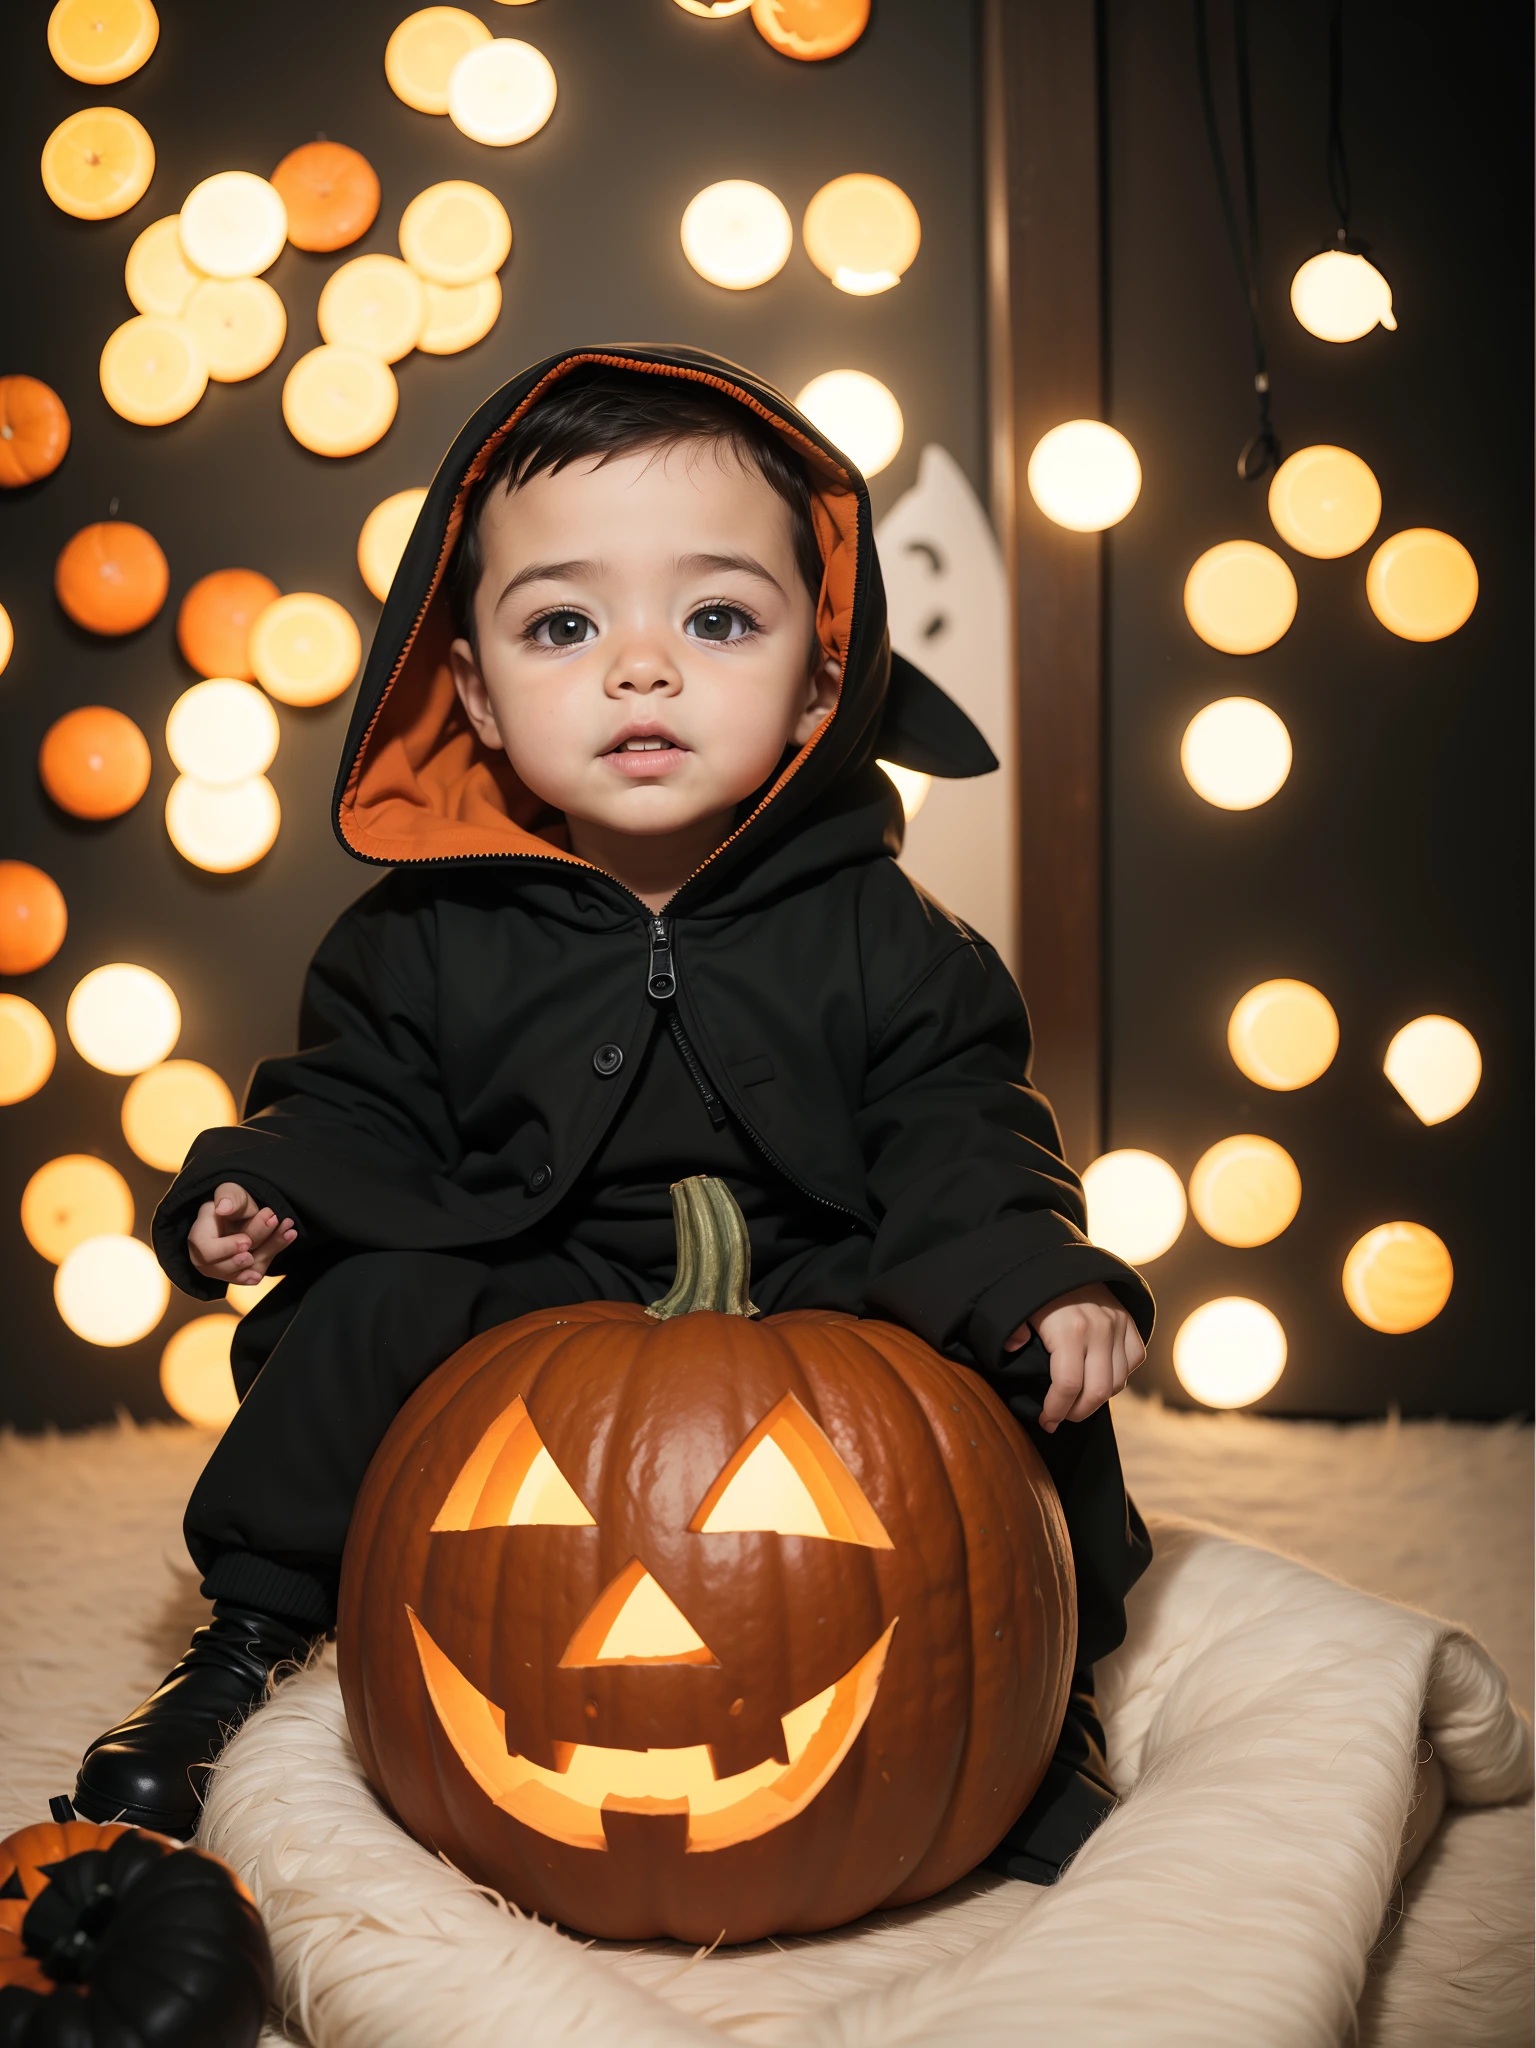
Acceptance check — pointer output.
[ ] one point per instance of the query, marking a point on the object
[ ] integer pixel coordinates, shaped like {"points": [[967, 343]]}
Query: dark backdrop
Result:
{"points": [[652, 105], [1393, 868]]}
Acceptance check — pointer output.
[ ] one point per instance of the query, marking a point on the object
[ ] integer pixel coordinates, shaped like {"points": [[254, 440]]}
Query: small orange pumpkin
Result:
{"points": [[112, 577], [123, 1928], [213, 627], [94, 762], [670, 1622], [331, 193], [810, 29], [32, 917], [34, 431]]}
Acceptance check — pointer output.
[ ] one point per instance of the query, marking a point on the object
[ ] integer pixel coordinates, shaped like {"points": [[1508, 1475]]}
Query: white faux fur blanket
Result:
{"points": [[1264, 1722]]}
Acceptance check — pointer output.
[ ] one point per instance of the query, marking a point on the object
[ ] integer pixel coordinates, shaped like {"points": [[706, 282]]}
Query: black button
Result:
{"points": [[608, 1058], [540, 1179]]}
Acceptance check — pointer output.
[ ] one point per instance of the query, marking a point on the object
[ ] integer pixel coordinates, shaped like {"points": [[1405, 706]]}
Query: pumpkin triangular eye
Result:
{"points": [[788, 1480], [510, 1480]]}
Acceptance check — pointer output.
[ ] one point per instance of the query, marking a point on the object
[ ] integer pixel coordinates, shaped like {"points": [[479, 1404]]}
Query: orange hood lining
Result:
{"points": [[422, 786]]}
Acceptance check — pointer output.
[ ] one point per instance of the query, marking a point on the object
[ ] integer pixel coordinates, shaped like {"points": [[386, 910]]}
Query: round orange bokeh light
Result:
{"points": [[94, 762], [111, 577], [32, 917], [810, 29], [213, 627]]}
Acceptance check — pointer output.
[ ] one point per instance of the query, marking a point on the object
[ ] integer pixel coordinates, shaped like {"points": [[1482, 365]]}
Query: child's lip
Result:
{"points": [[667, 744]]}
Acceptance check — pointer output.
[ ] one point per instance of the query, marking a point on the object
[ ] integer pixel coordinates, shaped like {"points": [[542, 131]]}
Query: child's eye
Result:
{"points": [[566, 629], [715, 622]]}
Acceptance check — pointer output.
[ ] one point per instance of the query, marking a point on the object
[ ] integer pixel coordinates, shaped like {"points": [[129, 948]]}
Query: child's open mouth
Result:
{"points": [[642, 754]]}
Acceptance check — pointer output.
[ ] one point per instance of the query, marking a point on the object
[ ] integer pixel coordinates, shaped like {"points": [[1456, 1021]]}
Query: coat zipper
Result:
{"points": [[661, 987]]}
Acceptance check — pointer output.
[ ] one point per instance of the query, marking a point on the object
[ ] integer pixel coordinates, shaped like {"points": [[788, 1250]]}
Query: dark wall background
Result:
{"points": [[653, 105], [1393, 868]]}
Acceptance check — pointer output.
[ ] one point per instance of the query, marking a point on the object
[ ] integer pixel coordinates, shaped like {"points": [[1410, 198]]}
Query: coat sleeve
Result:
{"points": [[350, 1135], [981, 1222]]}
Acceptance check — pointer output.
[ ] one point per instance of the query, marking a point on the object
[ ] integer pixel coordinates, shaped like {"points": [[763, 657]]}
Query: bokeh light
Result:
{"points": [[305, 648], [168, 1105], [152, 370], [1245, 1190], [1283, 1034], [243, 1299], [1398, 1277], [455, 233], [110, 1290], [94, 762], [240, 324], [382, 540], [1084, 475], [737, 234], [1422, 584], [213, 624], [97, 163], [863, 232], [157, 276], [233, 224], [419, 57], [33, 918], [7, 639], [122, 1018], [1435, 1065], [101, 41], [339, 400], [1236, 753], [1324, 501], [73, 1198], [376, 303], [194, 1370], [501, 92], [1240, 597], [222, 830], [912, 786], [810, 30], [1136, 1204], [858, 414], [459, 315], [221, 732], [1339, 297], [1229, 1352], [27, 1049]]}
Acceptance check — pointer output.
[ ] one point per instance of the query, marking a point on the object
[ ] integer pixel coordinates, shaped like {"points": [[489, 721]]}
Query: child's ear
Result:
{"points": [[820, 697], [473, 694]]}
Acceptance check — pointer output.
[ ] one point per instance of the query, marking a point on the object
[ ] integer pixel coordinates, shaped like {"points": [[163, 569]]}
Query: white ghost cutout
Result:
{"points": [[948, 600]]}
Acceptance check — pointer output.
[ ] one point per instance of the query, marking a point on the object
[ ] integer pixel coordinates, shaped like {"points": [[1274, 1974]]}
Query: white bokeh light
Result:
{"points": [[858, 414], [1236, 753], [221, 732], [1339, 297], [110, 1290], [122, 1018], [1084, 475], [737, 234], [1435, 1065], [1136, 1205], [1229, 1352]]}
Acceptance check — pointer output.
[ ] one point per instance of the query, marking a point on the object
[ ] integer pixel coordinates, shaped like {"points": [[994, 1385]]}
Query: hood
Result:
{"points": [[416, 785]]}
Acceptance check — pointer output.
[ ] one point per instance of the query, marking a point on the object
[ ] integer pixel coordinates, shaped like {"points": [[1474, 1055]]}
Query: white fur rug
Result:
{"points": [[1138, 1944]]}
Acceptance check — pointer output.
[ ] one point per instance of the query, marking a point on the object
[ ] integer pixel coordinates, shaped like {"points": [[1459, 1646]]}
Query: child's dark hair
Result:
{"points": [[595, 410]]}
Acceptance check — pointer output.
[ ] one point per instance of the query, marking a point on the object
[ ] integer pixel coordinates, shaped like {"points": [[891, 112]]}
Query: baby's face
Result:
{"points": [[647, 645]]}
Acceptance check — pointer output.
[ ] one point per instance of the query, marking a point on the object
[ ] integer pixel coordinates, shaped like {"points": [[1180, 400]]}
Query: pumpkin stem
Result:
{"points": [[714, 1253]]}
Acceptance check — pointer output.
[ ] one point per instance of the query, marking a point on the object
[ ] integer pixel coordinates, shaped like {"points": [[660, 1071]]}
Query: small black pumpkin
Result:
{"points": [[112, 1935]]}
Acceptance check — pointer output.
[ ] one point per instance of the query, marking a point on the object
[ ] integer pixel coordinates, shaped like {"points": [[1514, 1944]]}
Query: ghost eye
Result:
{"points": [[788, 1480], [509, 1480]]}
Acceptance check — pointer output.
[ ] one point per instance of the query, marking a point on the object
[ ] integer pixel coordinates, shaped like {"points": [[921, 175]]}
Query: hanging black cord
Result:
{"points": [[1262, 450], [1338, 162]]}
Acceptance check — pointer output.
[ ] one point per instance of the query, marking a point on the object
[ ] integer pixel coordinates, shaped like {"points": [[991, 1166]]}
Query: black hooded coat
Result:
{"points": [[476, 1029]]}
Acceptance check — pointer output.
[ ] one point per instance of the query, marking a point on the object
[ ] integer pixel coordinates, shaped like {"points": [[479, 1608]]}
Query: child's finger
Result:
{"points": [[1066, 1385], [261, 1227], [1098, 1378]]}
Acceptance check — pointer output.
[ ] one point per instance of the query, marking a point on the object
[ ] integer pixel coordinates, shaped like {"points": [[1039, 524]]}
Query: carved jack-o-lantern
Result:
{"points": [[671, 1622]]}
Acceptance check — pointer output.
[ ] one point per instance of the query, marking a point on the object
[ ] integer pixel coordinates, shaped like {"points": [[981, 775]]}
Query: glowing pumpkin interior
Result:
{"points": [[787, 1479]]}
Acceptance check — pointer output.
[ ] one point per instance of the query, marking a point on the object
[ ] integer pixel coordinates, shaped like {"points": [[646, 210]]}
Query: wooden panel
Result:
{"points": [[1041, 91]]}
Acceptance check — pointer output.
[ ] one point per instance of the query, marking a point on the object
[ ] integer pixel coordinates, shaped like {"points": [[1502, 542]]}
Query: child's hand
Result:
{"points": [[1094, 1348], [235, 1240]]}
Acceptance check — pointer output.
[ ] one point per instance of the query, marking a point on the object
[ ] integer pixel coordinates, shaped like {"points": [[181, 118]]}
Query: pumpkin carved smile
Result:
{"points": [[569, 1803]]}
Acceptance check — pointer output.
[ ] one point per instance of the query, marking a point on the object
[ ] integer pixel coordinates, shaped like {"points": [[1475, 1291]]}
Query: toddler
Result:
{"points": [[616, 744]]}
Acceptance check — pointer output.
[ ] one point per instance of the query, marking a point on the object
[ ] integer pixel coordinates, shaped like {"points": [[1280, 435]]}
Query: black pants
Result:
{"points": [[323, 1370]]}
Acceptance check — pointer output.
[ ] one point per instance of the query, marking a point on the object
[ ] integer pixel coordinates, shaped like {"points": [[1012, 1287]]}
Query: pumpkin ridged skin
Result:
{"points": [[34, 431], [178, 1959], [641, 1417]]}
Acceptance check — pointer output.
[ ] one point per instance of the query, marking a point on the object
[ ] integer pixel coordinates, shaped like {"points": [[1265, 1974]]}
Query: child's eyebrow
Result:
{"points": [[548, 572], [748, 564]]}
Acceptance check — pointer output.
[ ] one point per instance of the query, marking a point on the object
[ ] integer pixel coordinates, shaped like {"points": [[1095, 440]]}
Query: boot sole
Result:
{"points": [[181, 1827]]}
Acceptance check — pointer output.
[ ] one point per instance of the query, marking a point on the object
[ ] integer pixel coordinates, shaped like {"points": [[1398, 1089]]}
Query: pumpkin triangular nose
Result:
{"points": [[635, 1621]]}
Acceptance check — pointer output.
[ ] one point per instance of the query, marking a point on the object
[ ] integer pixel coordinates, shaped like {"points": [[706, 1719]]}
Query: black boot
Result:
{"points": [[151, 1770]]}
